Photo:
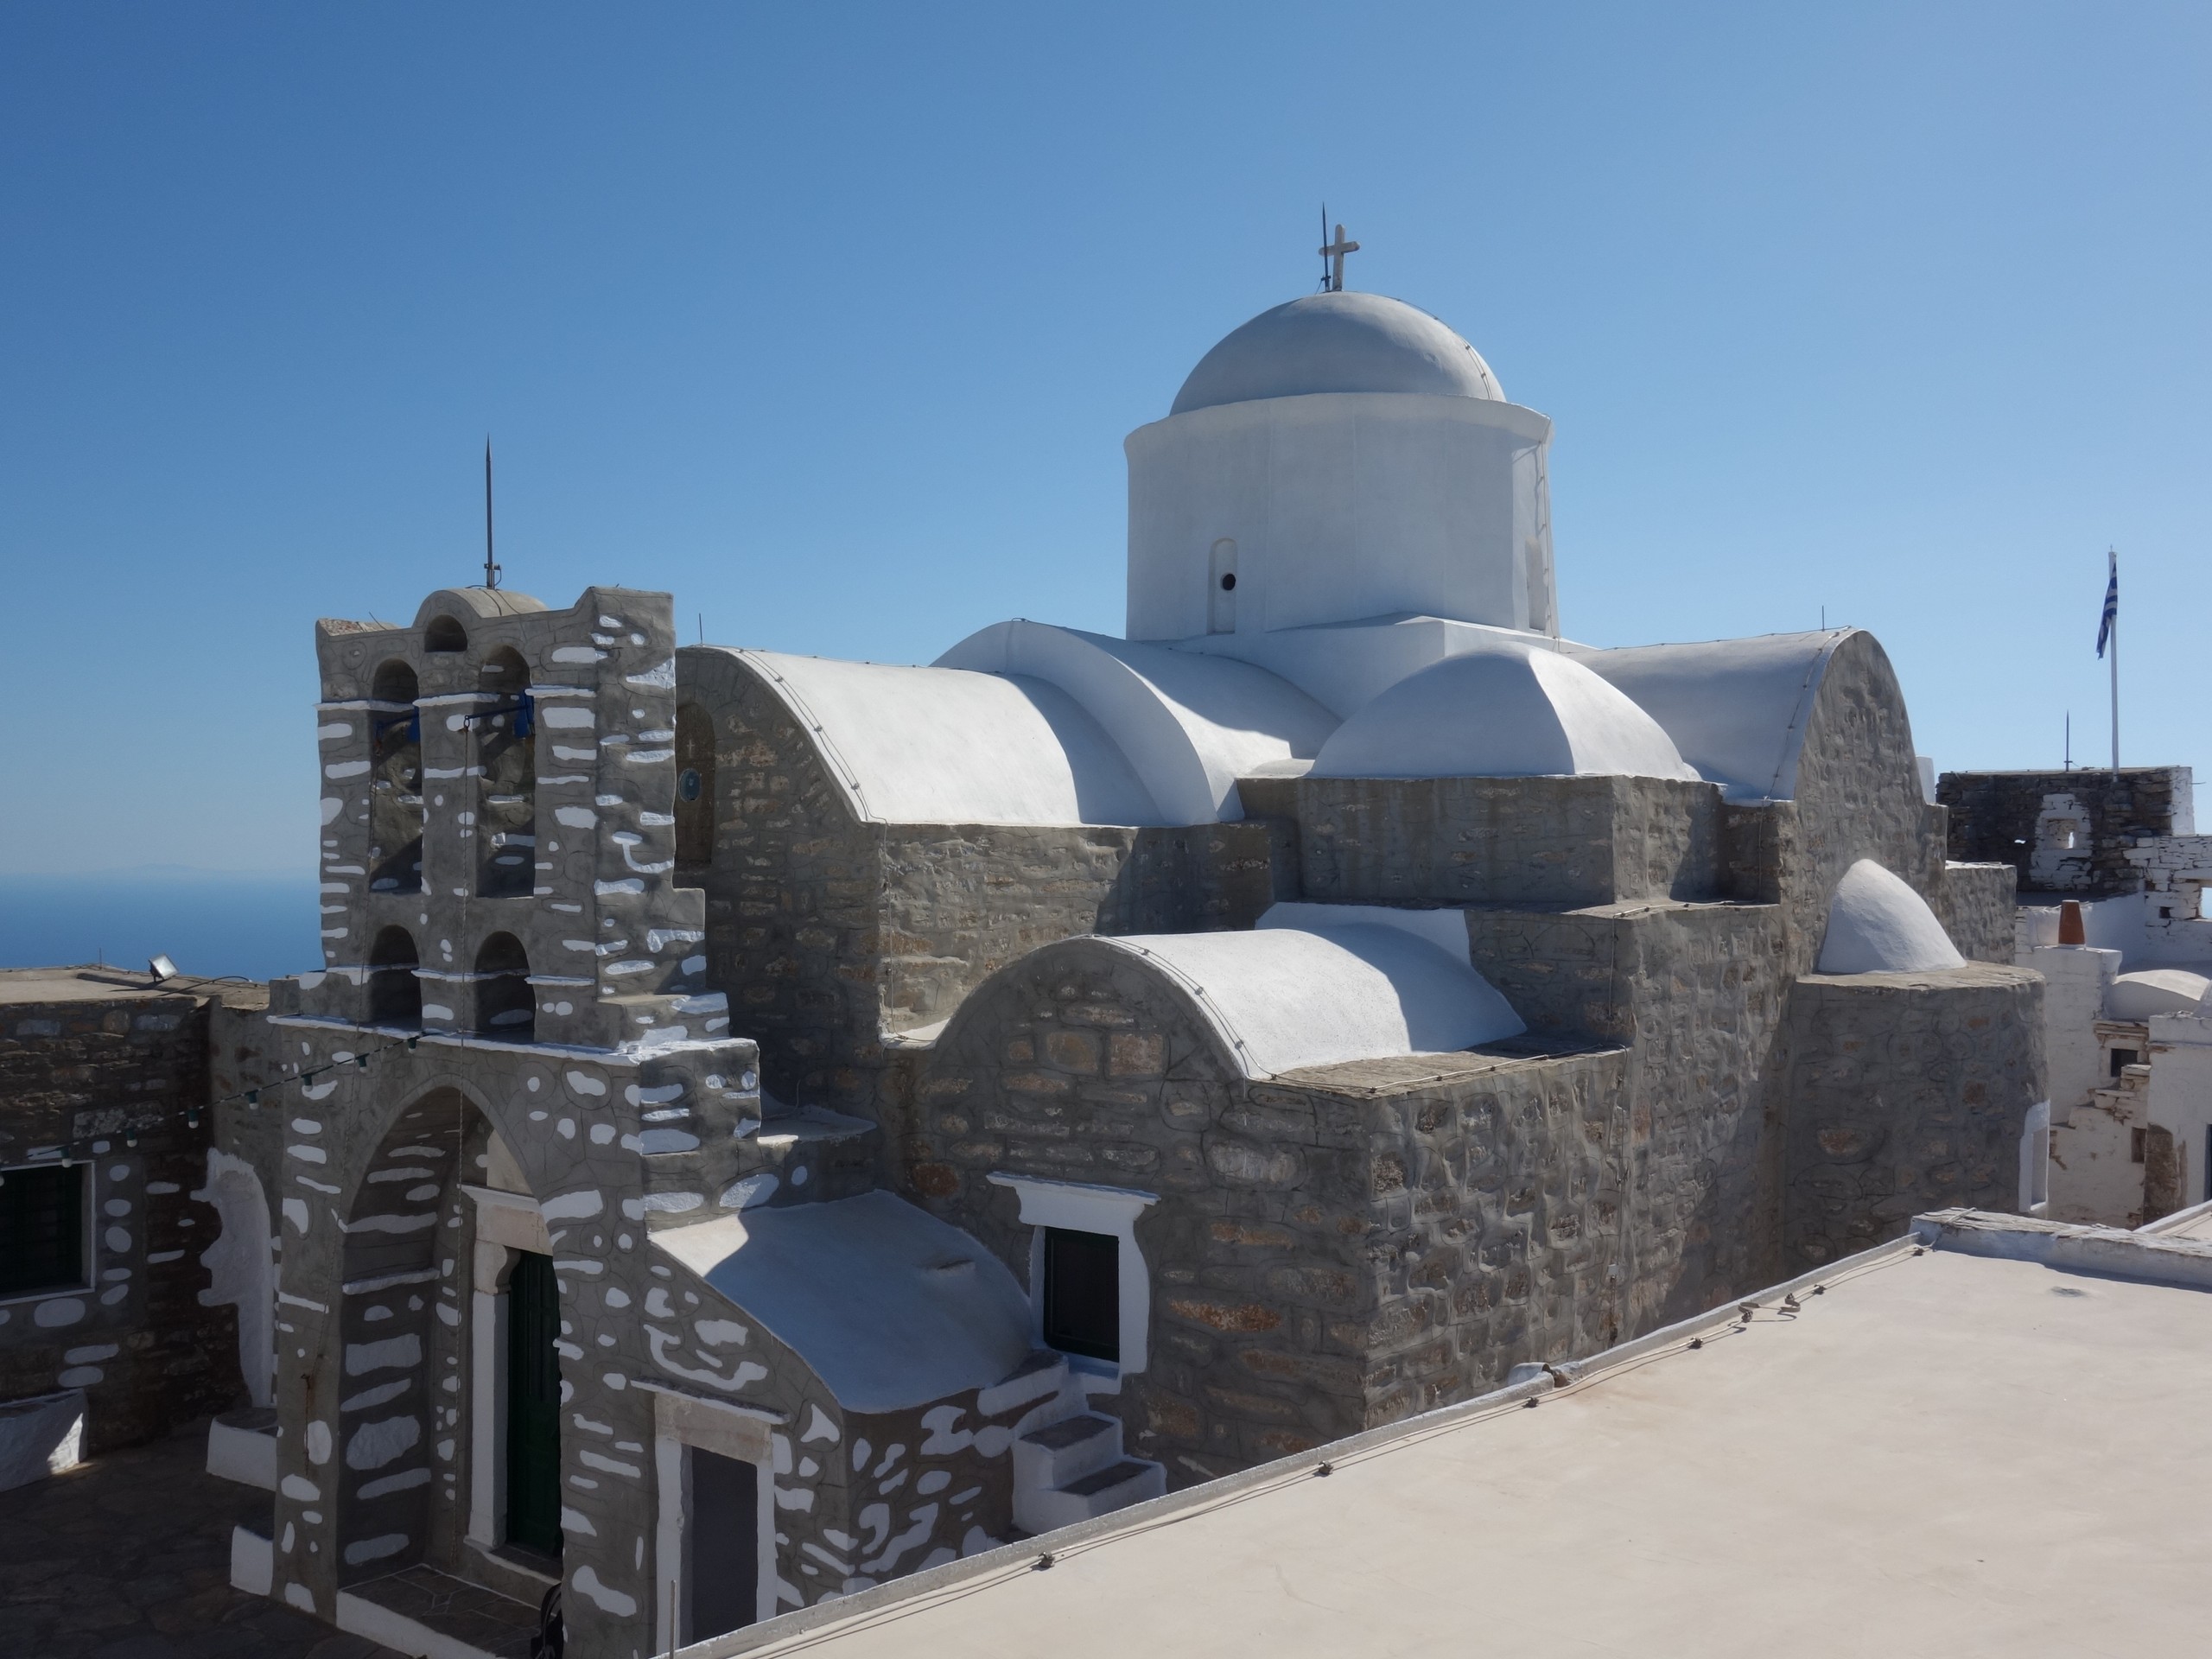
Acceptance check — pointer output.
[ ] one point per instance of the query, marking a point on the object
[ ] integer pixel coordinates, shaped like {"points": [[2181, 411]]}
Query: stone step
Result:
{"points": [[1067, 1451], [1118, 1485], [242, 1446]]}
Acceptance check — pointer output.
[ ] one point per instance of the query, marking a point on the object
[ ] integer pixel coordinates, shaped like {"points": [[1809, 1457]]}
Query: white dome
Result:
{"points": [[1503, 710], [1337, 342], [1877, 924]]}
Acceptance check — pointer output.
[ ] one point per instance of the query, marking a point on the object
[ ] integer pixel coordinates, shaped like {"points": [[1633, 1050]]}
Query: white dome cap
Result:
{"points": [[1877, 924], [1337, 342], [1503, 710]]}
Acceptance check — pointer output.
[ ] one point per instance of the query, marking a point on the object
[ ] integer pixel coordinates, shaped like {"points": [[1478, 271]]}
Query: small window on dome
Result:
{"points": [[1221, 600]]}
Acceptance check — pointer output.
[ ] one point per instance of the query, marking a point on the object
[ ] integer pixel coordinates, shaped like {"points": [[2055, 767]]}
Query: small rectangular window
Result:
{"points": [[41, 1229], [2121, 1060], [1082, 1293], [2135, 1146]]}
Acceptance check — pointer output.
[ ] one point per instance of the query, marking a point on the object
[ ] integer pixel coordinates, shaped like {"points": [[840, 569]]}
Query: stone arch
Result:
{"points": [[241, 1267], [445, 633], [380, 1440], [505, 730], [395, 780], [394, 994], [506, 1005]]}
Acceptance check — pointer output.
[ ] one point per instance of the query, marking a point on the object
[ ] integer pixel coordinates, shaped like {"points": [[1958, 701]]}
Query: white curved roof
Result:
{"points": [[1736, 709], [1190, 725], [1284, 997], [1337, 342], [1500, 710], [890, 1307], [2151, 991], [1877, 924], [945, 745]]}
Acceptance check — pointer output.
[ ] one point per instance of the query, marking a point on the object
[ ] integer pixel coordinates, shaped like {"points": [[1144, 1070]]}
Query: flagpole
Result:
{"points": [[2113, 555]]}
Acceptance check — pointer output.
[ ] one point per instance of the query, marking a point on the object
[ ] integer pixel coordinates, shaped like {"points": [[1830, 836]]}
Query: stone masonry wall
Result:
{"points": [[1980, 909], [1331, 1249], [1907, 1092], [1993, 816], [827, 932], [82, 1079], [1696, 993], [1454, 841]]}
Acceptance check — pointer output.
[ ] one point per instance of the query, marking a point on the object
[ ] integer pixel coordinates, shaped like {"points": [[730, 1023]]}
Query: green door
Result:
{"points": [[533, 1406]]}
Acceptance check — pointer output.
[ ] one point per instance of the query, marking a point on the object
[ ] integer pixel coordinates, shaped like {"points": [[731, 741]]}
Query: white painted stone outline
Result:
{"points": [[682, 1422], [2034, 1160], [1085, 1208], [506, 1224]]}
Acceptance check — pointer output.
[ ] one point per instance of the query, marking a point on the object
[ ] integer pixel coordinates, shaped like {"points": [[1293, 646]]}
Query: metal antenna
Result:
{"points": [[491, 569], [1324, 252]]}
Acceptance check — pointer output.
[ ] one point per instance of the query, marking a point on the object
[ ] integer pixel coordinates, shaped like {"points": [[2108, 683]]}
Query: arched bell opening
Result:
{"points": [[395, 781], [505, 729], [394, 994], [506, 1005]]}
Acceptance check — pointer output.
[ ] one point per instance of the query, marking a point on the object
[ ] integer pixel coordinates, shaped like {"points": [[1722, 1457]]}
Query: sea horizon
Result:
{"points": [[253, 924]]}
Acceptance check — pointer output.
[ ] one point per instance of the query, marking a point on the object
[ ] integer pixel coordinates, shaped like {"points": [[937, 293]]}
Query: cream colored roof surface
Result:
{"points": [[1943, 1454]]}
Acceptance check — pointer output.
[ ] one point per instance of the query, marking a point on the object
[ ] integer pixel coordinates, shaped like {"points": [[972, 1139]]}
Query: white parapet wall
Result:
{"points": [[40, 1436]]}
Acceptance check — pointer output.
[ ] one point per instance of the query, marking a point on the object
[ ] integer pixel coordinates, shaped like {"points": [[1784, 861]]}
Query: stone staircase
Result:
{"points": [[1069, 1464]]}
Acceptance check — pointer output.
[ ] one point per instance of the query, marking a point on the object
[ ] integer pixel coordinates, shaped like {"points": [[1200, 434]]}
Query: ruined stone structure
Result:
{"points": [[2113, 915], [766, 1125]]}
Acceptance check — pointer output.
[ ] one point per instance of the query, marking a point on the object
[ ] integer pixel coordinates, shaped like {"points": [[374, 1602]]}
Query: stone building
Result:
{"points": [[2113, 881], [767, 1125], [115, 1323]]}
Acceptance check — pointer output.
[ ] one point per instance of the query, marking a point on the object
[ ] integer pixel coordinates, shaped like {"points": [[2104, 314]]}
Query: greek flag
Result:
{"points": [[2112, 606]]}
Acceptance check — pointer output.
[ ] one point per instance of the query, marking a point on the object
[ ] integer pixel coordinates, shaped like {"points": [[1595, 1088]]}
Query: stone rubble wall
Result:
{"points": [[77, 1078], [1330, 1250], [1907, 1092], [1994, 815], [1458, 841], [828, 932], [1979, 909]]}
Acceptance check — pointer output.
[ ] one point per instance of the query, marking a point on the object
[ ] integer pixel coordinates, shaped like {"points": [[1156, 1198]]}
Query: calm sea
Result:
{"points": [[256, 925]]}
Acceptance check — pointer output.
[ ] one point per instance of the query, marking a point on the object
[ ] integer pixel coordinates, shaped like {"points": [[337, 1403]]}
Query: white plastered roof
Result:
{"points": [[1346, 341], [1877, 925], [1190, 725], [1321, 984], [1501, 709], [1736, 709], [947, 745], [891, 1308]]}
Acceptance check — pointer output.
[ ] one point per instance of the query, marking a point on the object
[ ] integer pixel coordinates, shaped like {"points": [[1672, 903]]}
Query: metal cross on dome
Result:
{"points": [[1332, 278]]}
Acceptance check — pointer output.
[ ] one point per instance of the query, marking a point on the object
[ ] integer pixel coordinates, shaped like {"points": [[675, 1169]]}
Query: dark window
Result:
{"points": [[2135, 1138], [1082, 1293], [2122, 1058], [723, 1545], [445, 633], [41, 1229]]}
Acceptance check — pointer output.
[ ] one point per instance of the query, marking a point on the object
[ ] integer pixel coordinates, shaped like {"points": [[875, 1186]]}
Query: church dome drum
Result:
{"points": [[1342, 458]]}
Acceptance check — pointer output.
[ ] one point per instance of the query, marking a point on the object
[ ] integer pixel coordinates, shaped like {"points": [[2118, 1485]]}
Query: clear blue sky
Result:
{"points": [[830, 320]]}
